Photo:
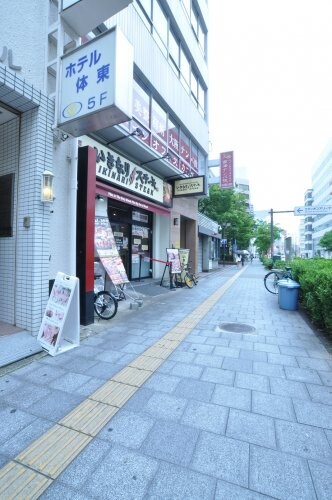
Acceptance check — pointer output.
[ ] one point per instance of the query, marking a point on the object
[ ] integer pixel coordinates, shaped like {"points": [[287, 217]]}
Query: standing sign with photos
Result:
{"points": [[60, 327]]}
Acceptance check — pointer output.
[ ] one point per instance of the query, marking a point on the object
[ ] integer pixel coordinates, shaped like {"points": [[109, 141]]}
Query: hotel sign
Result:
{"points": [[117, 170], [191, 186], [96, 84]]}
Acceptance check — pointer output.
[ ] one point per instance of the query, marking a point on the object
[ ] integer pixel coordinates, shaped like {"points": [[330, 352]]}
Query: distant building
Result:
{"points": [[322, 196]]}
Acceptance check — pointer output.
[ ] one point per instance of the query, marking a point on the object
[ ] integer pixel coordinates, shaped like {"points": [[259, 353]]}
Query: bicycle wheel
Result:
{"points": [[189, 282], [271, 282], [105, 305], [195, 279]]}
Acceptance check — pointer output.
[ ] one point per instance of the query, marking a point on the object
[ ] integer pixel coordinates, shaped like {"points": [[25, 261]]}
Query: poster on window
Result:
{"points": [[60, 327], [174, 260], [108, 253], [184, 257]]}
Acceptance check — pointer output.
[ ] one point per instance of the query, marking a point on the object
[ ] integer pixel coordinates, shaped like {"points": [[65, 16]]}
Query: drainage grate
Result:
{"points": [[236, 328]]}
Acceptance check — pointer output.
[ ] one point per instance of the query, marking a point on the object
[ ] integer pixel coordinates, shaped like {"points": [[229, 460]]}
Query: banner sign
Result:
{"points": [[96, 84], [173, 258], [108, 253], [60, 327], [191, 186], [226, 170], [118, 170]]}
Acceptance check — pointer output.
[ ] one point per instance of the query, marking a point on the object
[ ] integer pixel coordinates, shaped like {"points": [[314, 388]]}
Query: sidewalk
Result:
{"points": [[209, 393]]}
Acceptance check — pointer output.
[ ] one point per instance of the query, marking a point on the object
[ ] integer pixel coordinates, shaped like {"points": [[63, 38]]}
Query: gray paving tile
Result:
{"points": [[41, 374], [122, 474], [201, 348], [182, 357], [266, 347], [12, 422], [227, 352], [25, 395], [58, 490], [232, 397], [109, 356], [56, 405], [303, 440], [252, 381], [69, 382], [218, 376], [162, 382], [238, 365], [289, 388], [186, 370], [282, 359], [280, 475], [24, 437], [302, 375], [313, 363], [91, 386], [206, 416], [252, 428], [320, 394], [208, 360], [270, 370], [273, 406], [217, 342], [326, 378], [171, 442], [176, 483], [127, 429], [253, 355], [165, 406], [222, 457], [314, 414], [195, 389], [322, 479], [293, 351], [9, 384], [233, 492], [242, 344], [103, 370]]}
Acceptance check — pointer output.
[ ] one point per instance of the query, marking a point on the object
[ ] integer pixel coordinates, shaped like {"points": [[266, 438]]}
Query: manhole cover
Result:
{"points": [[236, 327]]}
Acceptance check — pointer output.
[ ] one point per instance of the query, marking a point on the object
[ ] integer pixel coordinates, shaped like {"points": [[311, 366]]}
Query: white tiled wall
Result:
{"points": [[9, 154]]}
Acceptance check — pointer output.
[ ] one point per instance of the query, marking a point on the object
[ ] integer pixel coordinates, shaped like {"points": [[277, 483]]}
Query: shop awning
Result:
{"points": [[130, 199]]}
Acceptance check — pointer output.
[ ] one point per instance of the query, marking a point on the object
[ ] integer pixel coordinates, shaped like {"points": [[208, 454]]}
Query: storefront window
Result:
{"points": [[141, 105]]}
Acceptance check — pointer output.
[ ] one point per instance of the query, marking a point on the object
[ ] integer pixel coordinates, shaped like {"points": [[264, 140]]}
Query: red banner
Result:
{"points": [[226, 170]]}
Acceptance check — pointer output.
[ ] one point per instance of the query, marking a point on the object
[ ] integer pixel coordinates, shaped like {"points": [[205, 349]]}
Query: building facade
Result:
{"points": [[136, 163]]}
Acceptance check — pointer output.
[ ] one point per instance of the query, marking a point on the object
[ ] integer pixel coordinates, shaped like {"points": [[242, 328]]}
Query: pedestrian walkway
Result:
{"points": [[209, 393]]}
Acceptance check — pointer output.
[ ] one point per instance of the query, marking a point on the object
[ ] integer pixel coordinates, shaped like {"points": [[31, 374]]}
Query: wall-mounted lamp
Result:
{"points": [[176, 221], [165, 157], [47, 194], [137, 132], [99, 198]]}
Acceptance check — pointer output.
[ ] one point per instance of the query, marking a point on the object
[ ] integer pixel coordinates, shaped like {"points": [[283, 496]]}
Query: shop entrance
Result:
{"points": [[132, 229]]}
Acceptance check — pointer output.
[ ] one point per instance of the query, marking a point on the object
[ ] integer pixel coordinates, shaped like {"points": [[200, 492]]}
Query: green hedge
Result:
{"points": [[315, 278]]}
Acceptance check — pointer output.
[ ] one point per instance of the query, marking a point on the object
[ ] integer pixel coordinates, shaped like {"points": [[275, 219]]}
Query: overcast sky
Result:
{"points": [[270, 92]]}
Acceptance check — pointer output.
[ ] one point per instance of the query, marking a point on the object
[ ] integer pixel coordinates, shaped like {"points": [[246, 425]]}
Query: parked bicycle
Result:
{"points": [[272, 278], [105, 304], [186, 277]]}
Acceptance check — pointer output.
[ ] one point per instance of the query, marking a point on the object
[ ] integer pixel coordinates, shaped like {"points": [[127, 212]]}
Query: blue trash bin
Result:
{"points": [[288, 294]]}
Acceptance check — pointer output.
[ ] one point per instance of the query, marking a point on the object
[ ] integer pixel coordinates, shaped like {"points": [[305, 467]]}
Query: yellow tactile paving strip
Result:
{"points": [[33, 471]]}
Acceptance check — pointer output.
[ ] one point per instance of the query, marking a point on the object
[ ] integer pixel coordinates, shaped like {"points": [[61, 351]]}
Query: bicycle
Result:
{"points": [[186, 277], [105, 304], [272, 278]]}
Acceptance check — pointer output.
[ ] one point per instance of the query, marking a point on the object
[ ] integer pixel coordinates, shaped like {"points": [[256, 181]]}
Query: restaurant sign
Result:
{"points": [[191, 186], [96, 84], [119, 171]]}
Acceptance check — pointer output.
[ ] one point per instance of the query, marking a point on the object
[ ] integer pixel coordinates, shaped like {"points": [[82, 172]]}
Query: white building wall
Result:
{"points": [[322, 195], [156, 70]]}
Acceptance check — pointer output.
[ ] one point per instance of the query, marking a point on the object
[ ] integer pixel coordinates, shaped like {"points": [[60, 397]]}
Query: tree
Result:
{"points": [[263, 236], [326, 241], [225, 206]]}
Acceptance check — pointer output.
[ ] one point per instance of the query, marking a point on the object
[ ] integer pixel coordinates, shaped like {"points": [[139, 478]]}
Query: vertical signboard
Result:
{"points": [[226, 170], [96, 84], [60, 327]]}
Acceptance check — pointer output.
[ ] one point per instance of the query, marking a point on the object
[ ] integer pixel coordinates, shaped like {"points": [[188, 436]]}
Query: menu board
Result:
{"points": [[60, 327]]}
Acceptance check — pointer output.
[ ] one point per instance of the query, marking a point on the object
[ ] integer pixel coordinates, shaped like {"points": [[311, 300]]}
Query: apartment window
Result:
{"points": [[174, 52], [160, 27], [185, 70], [6, 205], [194, 87], [141, 105], [186, 5], [201, 99], [173, 136]]}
